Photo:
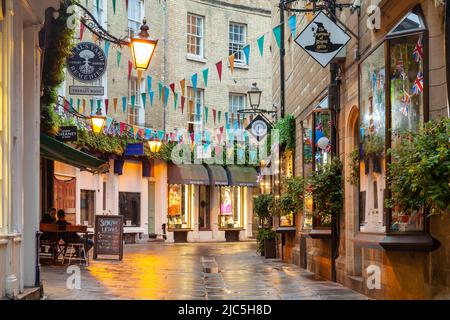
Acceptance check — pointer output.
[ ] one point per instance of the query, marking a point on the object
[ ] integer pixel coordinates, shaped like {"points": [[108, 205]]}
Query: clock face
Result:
{"points": [[259, 128]]}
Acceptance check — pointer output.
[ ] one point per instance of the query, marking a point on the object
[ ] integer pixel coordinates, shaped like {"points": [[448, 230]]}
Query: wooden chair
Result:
{"points": [[74, 250], [52, 241]]}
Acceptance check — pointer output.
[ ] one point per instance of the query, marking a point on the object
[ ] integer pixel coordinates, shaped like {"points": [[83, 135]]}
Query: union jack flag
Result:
{"points": [[418, 51], [405, 104], [418, 83]]}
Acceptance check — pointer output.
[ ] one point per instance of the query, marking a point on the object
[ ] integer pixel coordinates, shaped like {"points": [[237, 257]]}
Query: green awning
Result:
{"points": [[187, 174], [242, 176], [56, 150]]}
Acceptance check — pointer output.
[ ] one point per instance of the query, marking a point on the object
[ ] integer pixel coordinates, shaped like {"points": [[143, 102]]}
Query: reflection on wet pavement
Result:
{"points": [[192, 271]]}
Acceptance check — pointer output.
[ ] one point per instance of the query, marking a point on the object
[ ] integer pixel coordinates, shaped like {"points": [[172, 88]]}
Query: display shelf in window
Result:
{"points": [[231, 207], [179, 206]]}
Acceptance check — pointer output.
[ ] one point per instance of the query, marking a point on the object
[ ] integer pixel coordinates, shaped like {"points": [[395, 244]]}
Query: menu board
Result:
{"points": [[108, 238]]}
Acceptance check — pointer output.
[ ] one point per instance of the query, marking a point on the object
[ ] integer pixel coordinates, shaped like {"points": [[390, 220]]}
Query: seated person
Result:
{"points": [[70, 237], [48, 217]]}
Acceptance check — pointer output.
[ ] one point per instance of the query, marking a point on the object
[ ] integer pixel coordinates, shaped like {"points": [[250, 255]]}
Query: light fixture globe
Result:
{"points": [[98, 122], [143, 48], [154, 145], [254, 96]]}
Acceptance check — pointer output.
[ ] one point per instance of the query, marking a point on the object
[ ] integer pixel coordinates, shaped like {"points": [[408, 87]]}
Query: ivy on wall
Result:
{"points": [[286, 129]]}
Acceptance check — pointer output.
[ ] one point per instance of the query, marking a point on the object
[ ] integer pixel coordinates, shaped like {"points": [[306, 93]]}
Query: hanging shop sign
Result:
{"points": [[134, 149], [87, 62], [259, 127], [108, 236], [68, 133], [322, 39], [86, 90]]}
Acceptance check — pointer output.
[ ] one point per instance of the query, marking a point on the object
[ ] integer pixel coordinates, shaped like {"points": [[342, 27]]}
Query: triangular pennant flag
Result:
{"points": [[94, 38], [124, 104], [194, 82], [206, 114], [144, 98], [106, 105], [107, 45], [219, 115], [126, 4], [172, 87], [78, 104], [160, 135], [261, 45], [115, 105], [84, 106], [109, 121], [139, 72], [99, 104], [71, 102], [98, 7], [231, 61], [292, 21], [92, 105], [205, 76], [148, 133], [214, 115], [122, 127], [246, 50], [149, 83], [119, 57], [219, 69], [114, 6], [175, 100], [183, 100], [277, 34], [82, 27], [166, 95], [183, 86], [226, 118], [160, 86], [151, 94], [130, 67], [133, 102]]}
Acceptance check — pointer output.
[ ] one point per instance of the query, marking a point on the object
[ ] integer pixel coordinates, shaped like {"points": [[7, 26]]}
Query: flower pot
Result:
{"points": [[270, 248]]}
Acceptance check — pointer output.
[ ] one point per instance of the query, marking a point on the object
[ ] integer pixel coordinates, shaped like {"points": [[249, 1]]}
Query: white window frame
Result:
{"points": [[136, 89], [199, 37], [198, 97], [233, 107], [100, 13], [135, 19], [236, 46]]}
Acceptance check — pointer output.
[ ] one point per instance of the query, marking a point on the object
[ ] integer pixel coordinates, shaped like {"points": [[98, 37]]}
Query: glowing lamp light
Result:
{"points": [[143, 48], [98, 122], [154, 146]]}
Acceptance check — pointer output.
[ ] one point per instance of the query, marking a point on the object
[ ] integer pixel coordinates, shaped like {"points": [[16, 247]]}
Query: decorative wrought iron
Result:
{"points": [[94, 26]]}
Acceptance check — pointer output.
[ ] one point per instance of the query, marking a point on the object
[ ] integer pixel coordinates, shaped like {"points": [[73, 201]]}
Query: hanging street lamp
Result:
{"points": [[254, 96], [143, 48], [154, 145], [98, 121]]}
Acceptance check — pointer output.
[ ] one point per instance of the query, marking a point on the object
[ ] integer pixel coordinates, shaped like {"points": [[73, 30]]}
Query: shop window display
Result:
{"points": [[231, 207], [178, 206]]}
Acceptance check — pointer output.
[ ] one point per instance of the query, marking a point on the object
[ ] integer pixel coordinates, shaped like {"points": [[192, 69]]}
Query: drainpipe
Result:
{"points": [[165, 45], [447, 51], [282, 69]]}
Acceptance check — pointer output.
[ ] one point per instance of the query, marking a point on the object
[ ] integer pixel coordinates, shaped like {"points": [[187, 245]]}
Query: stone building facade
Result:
{"points": [[407, 271]]}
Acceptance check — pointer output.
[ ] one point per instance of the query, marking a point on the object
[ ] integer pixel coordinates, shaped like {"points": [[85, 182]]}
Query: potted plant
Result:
{"points": [[261, 208], [266, 243]]}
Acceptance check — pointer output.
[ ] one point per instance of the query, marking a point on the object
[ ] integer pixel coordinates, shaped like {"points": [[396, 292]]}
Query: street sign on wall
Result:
{"points": [[86, 90], [87, 62], [322, 39]]}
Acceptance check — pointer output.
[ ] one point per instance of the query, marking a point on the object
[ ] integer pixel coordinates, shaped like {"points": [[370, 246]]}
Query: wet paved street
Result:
{"points": [[192, 271]]}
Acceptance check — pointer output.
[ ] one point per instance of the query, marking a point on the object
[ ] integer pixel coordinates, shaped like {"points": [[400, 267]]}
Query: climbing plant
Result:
{"points": [[286, 130]]}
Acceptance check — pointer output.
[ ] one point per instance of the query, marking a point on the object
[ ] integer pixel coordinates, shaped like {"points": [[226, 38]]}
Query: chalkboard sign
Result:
{"points": [[108, 238]]}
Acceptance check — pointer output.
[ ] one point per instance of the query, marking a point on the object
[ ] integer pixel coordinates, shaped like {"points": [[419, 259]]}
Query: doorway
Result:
{"points": [[151, 208]]}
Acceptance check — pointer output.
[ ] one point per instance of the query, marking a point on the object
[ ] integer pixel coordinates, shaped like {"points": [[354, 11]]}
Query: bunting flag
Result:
{"points": [[175, 100], [246, 50], [183, 100], [92, 105], [82, 27], [166, 95], [219, 69], [206, 114], [160, 87], [151, 94], [144, 98], [115, 105], [114, 6], [119, 57], [261, 45], [231, 61], [292, 21], [226, 118], [149, 83], [309, 15], [122, 127], [99, 104], [277, 34], [84, 106], [109, 121], [139, 72], [194, 82], [94, 38], [107, 45], [126, 4], [148, 133], [106, 105], [172, 87], [124, 104], [253, 154], [183, 86], [219, 138], [130, 67], [219, 115], [98, 6], [133, 102], [160, 135], [214, 115], [205, 76], [78, 104]]}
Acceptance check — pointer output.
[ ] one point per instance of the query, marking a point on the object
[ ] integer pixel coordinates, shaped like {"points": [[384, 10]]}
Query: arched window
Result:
{"points": [[393, 91]]}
